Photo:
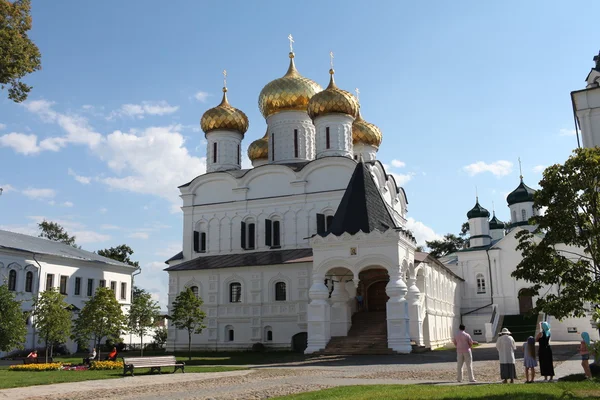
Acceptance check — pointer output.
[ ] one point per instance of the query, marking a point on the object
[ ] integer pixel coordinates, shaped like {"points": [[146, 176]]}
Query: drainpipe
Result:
{"points": [[137, 271], [37, 292]]}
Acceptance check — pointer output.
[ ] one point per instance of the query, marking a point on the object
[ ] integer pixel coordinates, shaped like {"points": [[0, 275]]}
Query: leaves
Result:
{"points": [[450, 244], [52, 318], [143, 314], [53, 231], [19, 56], [187, 314], [120, 253], [12, 322], [564, 250]]}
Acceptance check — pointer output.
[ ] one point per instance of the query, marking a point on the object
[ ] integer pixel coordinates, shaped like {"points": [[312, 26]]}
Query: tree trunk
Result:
{"points": [[141, 345], [189, 345], [46, 350]]}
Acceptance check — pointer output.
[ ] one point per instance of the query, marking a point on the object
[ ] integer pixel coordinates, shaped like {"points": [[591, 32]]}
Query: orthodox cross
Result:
{"points": [[597, 59], [520, 169], [357, 94], [476, 195], [291, 39], [224, 78], [331, 59]]}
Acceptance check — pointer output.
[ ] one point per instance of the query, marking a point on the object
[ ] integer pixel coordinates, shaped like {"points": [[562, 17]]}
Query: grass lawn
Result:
{"points": [[538, 391], [11, 379]]}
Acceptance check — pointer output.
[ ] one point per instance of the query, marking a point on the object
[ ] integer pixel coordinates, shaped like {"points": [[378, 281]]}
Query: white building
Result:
{"points": [[30, 265]]}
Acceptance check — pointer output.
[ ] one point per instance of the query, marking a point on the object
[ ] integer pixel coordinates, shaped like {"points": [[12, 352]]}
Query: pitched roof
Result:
{"points": [[178, 256], [245, 260], [362, 208], [421, 256], [37, 245]]}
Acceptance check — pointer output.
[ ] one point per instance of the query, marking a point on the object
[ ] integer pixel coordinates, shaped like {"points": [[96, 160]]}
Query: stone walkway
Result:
{"points": [[266, 381]]}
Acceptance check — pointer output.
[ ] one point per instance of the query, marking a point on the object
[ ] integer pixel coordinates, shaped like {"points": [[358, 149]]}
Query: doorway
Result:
{"points": [[525, 301], [377, 297]]}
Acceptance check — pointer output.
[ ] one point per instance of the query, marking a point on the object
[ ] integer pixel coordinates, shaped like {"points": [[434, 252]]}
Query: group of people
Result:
{"points": [[506, 347], [112, 356]]}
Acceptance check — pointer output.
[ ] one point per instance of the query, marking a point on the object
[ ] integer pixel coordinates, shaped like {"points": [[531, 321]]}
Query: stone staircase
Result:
{"points": [[368, 335]]}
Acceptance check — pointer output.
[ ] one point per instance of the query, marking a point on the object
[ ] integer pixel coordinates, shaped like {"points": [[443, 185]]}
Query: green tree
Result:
{"points": [[187, 314], [13, 329], [52, 319], [160, 337], [570, 194], [101, 317], [143, 314], [120, 253], [53, 231], [19, 56]]}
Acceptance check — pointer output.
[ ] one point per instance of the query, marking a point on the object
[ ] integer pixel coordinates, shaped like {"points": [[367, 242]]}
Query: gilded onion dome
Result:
{"points": [[224, 117], [259, 149], [291, 92], [365, 132], [332, 100]]}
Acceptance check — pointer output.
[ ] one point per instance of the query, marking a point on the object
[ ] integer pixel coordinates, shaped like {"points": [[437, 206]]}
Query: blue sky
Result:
{"points": [[111, 128]]}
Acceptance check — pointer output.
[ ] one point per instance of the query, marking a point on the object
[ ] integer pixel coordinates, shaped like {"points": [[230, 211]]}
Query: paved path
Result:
{"points": [[264, 381]]}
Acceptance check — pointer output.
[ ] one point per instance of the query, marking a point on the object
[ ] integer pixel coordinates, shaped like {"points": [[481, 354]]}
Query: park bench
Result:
{"points": [[38, 360], [154, 363]]}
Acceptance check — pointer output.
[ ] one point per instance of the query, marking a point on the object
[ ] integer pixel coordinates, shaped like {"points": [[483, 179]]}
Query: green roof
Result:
{"points": [[495, 223], [521, 194], [478, 212]]}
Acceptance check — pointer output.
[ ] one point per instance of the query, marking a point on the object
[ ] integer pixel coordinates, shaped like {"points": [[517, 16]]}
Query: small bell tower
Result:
{"points": [[586, 105]]}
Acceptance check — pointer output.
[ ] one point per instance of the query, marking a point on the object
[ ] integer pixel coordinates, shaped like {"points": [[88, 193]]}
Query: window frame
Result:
{"points": [[214, 155], [49, 279], [63, 284], [248, 234], [327, 138], [196, 292], [89, 289], [277, 292], [77, 286], [481, 284], [123, 291], [29, 282], [12, 280], [113, 287], [102, 283], [232, 298]]}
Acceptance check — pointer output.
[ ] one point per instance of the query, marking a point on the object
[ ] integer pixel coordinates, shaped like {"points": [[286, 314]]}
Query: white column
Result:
{"points": [[339, 127], [318, 315], [291, 137], [397, 315], [340, 309], [414, 307]]}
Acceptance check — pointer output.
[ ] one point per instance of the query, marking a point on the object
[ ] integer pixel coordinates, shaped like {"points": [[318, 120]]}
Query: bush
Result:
{"points": [[104, 365], [258, 347], [36, 367]]}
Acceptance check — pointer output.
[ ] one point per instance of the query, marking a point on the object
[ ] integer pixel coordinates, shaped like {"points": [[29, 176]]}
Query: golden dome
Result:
{"points": [[224, 117], [259, 149], [288, 93], [332, 100], [365, 132]]}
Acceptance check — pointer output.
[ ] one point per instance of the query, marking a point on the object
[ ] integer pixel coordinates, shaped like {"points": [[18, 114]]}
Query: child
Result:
{"points": [[584, 351], [529, 359]]}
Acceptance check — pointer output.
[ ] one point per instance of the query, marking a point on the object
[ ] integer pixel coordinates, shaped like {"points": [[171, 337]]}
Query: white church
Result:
{"points": [[281, 253]]}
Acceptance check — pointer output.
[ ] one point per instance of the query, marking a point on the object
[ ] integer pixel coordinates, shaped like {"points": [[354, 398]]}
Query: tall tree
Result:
{"points": [[160, 337], [19, 56], [101, 317], [187, 314], [13, 329], [570, 193], [53, 231], [450, 243], [143, 314], [52, 319], [119, 253]]}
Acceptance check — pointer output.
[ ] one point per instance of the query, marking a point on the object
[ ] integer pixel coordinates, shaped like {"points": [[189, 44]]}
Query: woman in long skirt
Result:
{"points": [[506, 352], [529, 359], [545, 352]]}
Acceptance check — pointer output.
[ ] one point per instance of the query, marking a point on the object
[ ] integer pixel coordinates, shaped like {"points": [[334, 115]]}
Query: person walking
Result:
{"points": [[506, 347], [464, 343], [584, 351], [529, 359], [545, 352]]}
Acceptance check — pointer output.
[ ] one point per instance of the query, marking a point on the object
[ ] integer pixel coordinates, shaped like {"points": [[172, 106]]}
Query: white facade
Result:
{"points": [[334, 135], [223, 150], [29, 272], [291, 137], [586, 104]]}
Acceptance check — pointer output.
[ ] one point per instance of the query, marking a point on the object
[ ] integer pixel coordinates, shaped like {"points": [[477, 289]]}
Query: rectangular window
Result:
{"points": [[202, 242], [196, 241], [321, 223], [102, 283], [272, 147], [123, 290], [77, 286], [238, 155], [296, 143], [235, 292], [251, 236], [328, 222], [328, 142], [90, 287], [280, 290], [276, 234], [243, 235], [63, 284], [214, 152], [268, 232], [113, 286], [49, 281]]}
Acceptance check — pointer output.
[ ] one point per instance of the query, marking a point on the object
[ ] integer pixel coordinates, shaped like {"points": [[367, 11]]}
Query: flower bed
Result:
{"points": [[36, 367], [104, 365]]}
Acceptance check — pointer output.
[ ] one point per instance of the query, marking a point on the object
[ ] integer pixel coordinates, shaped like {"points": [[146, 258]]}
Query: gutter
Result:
{"points": [[137, 271], [37, 293]]}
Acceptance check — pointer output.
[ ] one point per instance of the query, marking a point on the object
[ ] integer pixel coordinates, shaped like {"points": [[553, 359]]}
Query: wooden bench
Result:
{"points": [[37, 360], [154, 363]]}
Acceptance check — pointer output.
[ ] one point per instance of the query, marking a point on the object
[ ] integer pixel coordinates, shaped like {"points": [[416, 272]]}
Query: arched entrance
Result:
{"points": [[376, 296], [372, 285], [525, 301]]}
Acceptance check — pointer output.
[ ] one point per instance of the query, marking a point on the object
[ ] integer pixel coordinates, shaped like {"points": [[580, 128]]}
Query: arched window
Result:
{"points": [[481, 289], [280, 291], [273, 233], [200, 241], [229, 333], [194, 290], [12, 280], [29, 282], [523, 215], [268, 334], [514, 216], [248, 234], [235, 292]]}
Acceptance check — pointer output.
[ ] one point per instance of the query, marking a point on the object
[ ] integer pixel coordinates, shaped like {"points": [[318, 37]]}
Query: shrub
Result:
{"points": [[258, 347], [104, 365], [36, 367]]}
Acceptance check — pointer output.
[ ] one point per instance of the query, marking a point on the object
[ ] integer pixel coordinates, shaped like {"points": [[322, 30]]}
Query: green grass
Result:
{"points": [[538, 391], [11, 379]]}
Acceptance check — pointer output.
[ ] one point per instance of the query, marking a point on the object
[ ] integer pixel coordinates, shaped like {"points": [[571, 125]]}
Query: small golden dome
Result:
{"points": [[259, 149], [332, 100], [288, 93], [224, 117], [365, 132]]}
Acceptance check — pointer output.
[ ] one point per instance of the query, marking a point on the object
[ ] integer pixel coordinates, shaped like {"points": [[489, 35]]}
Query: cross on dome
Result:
{"points": [[357, 94], [291, 39], [331, 59], [520, 170], [224, 78]]}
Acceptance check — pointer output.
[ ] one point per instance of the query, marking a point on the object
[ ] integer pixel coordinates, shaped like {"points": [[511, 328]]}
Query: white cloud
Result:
{"points": [[498, 168], [422, 232], [81, 179], [2, 126], [34, 193], [85, 236], [67, 204], [143, 109], [20, 143], [169, 250], [539, 168], [110, 227], [103, 210], [567, 132], [8, 188], [398, 163], [139, 235], [201, 96]]}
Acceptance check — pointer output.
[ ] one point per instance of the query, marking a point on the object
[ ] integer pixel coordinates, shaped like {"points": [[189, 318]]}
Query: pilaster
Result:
{"points": [[398, 315], [318, 315]]}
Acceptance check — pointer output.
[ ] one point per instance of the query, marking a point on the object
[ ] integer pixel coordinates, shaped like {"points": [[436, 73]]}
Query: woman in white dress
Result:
{"points": [[506, 351]]}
